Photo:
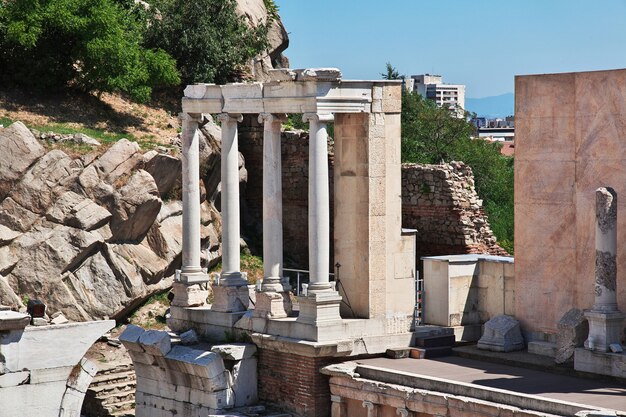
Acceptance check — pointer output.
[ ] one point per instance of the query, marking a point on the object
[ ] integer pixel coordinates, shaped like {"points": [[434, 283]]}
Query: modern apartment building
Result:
{"points": [[445, 95]]}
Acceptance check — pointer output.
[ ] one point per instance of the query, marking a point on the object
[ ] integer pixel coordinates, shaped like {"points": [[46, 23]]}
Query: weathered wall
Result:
{"points": [[570, 132], [441, 203]]}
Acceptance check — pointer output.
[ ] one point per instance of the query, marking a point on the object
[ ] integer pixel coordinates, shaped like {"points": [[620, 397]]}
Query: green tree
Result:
{"points": [[209, 41], [432, 135], [95, 45], [391, 73]]}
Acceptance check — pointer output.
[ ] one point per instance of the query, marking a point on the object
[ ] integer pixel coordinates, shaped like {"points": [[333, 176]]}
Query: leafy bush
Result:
{"points": [[432, 135], [95, 45], [209, 41]]}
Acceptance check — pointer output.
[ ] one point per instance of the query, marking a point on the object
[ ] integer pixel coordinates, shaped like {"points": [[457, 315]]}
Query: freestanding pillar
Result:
{"points": [[272, 301], [605, 320], [231, 294], [321, 304], [188, 290]]}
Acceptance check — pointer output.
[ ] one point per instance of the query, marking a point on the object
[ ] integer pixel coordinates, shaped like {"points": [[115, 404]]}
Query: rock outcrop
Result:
{"points": [[256, 12], [95, 236]]}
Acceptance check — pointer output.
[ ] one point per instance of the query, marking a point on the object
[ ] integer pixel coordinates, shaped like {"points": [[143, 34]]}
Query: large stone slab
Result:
{"points": [[502, 334], [573, 329]]}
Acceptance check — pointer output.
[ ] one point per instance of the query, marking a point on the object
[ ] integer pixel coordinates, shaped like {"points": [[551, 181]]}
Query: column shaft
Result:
{"points": [[606, 250], [231, 266], [272, 204], [191, 270], [319, 216]]}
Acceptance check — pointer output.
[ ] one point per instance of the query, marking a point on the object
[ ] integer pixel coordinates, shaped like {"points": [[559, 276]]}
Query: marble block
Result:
{"points": [[502, 334]]}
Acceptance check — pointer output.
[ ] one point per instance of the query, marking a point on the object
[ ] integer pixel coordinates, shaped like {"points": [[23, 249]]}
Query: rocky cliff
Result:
{"points": [[95, 235]]}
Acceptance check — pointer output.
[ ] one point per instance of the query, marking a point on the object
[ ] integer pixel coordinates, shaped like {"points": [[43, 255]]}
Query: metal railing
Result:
{"points": [[302, 279]]}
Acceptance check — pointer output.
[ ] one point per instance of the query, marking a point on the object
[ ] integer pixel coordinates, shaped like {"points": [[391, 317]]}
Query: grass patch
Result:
{"points": [[105, 137], [151, 314], [251, 264]]}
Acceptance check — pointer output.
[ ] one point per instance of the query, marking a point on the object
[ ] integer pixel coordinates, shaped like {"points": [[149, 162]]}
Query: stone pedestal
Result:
{"points": [[186, 295], [270, 304], [320, 308], [230, 298], [605, 328]]}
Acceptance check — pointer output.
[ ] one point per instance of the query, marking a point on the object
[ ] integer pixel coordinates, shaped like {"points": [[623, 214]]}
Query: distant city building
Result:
{"points": [[432, 87]]}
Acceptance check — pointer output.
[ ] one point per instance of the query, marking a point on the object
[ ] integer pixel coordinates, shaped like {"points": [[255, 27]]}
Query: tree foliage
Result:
{"points": [[95, 45], [432, 135], [391, 73], [209, 41]]}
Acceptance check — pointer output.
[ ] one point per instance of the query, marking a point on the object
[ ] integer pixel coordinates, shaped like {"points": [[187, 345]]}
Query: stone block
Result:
{"points": [[235, 351], [502, 334], [189, 337], [186, 295], [612, 364], [11, 320], [542, 348], [320, 74], [156, 342], [573, 329], [245, 384], [230, 299], [398, 353], [201, 363], [130, 337]]}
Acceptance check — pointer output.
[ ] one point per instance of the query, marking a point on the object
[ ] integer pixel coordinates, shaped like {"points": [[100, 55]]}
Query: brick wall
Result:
{"points": [[441, 203], [294, 382]]}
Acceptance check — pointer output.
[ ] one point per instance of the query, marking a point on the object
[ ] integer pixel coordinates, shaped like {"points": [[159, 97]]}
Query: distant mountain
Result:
{"points": [[494, 106]]}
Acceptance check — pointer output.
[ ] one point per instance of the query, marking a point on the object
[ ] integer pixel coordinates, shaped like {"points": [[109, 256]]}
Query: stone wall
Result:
{"points": [[569, 142], [441, 203]]}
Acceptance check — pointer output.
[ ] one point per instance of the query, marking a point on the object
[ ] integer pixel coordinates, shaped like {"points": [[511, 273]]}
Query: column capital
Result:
{"points": [[190, 117], [272, 117], [230, 117], [320, 118]]}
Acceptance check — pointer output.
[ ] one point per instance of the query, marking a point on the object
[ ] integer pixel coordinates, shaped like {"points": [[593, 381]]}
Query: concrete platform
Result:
{"points": [[566, 389]]}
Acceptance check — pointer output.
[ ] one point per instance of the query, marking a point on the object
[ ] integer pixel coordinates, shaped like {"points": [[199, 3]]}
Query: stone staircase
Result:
{"points": [[112, 391]]}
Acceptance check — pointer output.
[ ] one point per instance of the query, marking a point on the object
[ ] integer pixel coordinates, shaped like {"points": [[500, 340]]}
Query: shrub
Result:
{"points": [[95, 45]]}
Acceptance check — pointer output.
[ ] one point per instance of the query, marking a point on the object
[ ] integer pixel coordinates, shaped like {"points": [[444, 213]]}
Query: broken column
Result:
{"points": [[605, 320], [272, 299], [321, 304], [231, 294], [189, 285]]}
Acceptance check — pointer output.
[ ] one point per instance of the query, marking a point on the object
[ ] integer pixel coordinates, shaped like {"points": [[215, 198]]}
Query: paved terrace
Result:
{"points": [[611, 395]]}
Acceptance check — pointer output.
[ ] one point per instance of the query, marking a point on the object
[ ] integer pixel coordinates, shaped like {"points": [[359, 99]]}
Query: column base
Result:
{"points": [[233, 279], [270, 305], [320, 308], [230, 299], [605, 328], [196, 277], [186, 295]]}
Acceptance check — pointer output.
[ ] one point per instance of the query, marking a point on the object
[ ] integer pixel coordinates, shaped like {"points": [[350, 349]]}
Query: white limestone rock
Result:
{"points": [[130, 337], [501, 334], [22, 150], [166, 171], [7, 235], [189, 337], [139, 205], [120, 159], [573, 329], [11, 320], [77, 211]]}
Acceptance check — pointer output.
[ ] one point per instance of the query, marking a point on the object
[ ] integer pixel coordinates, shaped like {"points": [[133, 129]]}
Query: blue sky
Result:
{"points": [[481, 43]]}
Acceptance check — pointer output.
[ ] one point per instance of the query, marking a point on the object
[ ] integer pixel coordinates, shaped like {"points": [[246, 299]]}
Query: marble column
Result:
{"points": [[187, 289], [231, 295], [321, 305], [605, 320], [272, 301], [319, 204]]}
